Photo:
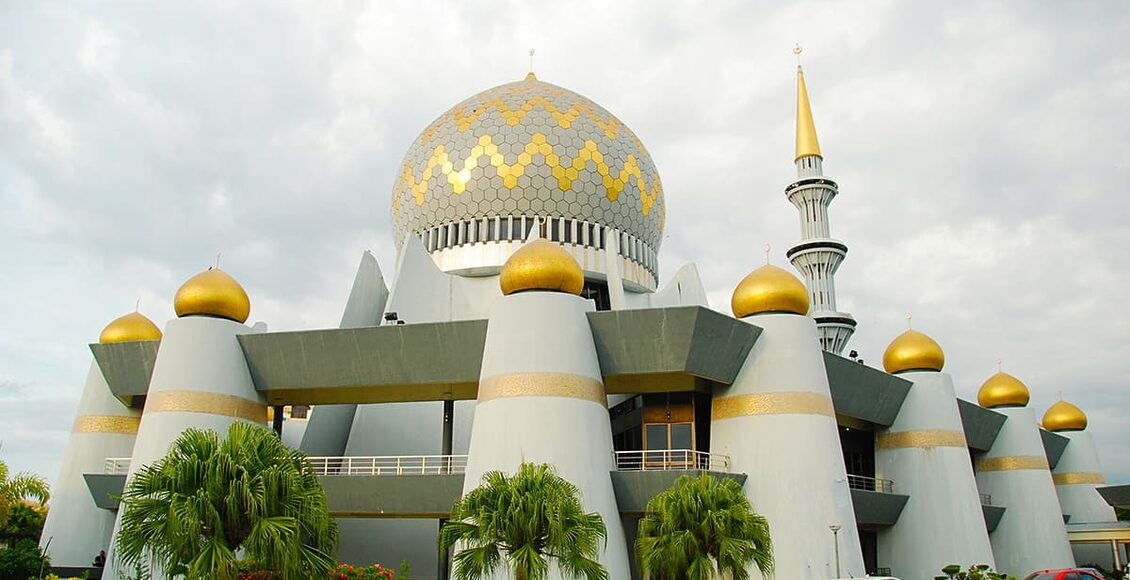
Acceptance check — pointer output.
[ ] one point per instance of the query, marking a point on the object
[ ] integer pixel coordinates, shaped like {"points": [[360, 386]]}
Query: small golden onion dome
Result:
{"points": [[769, 289], [541, 265], [1003, 390], [213, 293], [913, 351], [133, 326], [1064, 416]]}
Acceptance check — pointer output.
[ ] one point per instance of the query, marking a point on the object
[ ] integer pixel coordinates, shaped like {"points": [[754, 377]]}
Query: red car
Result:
{"points": [[1069, 574]]}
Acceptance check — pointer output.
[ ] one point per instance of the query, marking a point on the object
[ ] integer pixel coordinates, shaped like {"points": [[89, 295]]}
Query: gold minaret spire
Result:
{"points": [[806, 142]]}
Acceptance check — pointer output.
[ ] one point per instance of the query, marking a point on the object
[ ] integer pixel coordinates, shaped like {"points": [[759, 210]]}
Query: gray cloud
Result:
{"points": [[979, 148]]}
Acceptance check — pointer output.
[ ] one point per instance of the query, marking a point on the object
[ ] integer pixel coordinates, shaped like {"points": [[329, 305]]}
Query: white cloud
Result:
{"points": [[979, 148]]}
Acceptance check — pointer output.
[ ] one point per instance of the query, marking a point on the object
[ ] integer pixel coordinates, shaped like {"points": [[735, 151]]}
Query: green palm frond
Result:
{"points": [[701, 527], [523, 523], [211, 498]]}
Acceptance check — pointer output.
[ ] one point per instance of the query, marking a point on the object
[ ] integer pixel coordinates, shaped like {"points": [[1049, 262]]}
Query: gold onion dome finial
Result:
{"points": [[806, 142], [213, 293], [133, 326], [769, 289], [1003, 390], [1064, 416], [541, 265], [913, 351]]}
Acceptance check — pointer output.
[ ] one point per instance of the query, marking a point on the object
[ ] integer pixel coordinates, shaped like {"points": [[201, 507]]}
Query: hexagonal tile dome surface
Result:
{"points": [[529, 148]]}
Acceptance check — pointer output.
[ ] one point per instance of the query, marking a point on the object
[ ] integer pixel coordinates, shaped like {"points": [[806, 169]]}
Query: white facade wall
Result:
{"points": [[783, 435], [77, 528], [540, 356], [924, 452], [1031, 534]]}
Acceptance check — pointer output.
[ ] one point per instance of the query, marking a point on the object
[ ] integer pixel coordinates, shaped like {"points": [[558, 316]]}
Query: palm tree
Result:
{"points": [[522, 522], [190, 512], [701, 528], [19, 489]]}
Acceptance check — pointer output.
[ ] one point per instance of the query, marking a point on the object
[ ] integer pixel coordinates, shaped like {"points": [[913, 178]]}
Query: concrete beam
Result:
{"points": [[127, 367], [981, 425], [1054, 445], [875, 509], [392, 496], [635, 488], [864, 393], [993, 515], [105, 489]]}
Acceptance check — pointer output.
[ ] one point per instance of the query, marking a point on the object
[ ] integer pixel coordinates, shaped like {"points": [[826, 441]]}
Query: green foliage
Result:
{"points": [[522, 522], [975, 572], [24, 521], [190, 512], [16, 490], [700, 527], [22, 560]]}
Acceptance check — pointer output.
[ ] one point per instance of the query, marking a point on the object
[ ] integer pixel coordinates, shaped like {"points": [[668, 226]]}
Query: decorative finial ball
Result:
{"points": [[213, 293], [541, 265], [1003, 390], [132, 326], [913, 351], [769, 289]]}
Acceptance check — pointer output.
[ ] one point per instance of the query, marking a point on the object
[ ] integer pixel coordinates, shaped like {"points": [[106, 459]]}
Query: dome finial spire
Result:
{"points": [[806, 143], [530, 75], [797, 50], [910, 321], [767, 250]]}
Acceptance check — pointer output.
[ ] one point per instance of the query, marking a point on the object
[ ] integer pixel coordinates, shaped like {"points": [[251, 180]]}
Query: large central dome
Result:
{"points": [[529, 149]]}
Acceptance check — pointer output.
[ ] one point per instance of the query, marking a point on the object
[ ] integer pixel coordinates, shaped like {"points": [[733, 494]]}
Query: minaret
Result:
{"points": [[77, 528], [541, 393], [925, 453], [1031, 534], [777, 424], [817, 256], [200, 377], [1076, 476]]}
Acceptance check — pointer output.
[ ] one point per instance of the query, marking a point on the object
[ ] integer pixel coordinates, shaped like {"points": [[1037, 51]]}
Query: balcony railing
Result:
{"points": [[986, 499], [390, 465], [871, 484], [671, 459], [116, 466]]}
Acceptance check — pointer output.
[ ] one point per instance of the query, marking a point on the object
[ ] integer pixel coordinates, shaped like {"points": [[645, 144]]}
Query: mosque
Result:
{"points": [[526, 322]]}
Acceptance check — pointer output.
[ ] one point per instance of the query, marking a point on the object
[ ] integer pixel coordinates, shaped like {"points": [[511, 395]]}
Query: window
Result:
{"points": [[490, 230]]}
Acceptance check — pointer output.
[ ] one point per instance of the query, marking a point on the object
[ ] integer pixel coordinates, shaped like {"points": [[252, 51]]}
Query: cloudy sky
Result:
{"points": [[980, 149]]}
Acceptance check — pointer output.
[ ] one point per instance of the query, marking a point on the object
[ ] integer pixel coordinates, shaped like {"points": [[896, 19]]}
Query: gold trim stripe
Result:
{"points": [[542, 385], [925, 438], [1012, 463], [1076, 477], [106, 424], [772, 404], [210, 403]]}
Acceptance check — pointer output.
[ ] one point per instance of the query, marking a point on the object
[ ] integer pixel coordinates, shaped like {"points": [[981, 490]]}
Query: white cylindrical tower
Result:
{"points": [[924, 452], [1014, 473], [817, 256], [541, 396], [200, 378], [777, 425], [1078, 472], [1077, 475], [103, 428]]}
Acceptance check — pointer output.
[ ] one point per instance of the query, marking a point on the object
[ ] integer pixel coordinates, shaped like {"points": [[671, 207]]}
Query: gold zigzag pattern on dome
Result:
{"points": [[565, 119], [565, 173]]}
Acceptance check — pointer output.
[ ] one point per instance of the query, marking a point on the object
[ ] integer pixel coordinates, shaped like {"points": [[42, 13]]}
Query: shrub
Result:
{"points": [[374, 572], [23, 560]]}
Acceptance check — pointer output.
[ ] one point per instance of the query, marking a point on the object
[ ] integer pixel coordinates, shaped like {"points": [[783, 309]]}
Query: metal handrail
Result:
{"points": [[671, 459], [389, 465], [116, 465], [865, 483]]}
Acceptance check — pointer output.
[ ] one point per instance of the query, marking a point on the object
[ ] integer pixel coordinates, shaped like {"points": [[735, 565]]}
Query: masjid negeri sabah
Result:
{"points": [[526, 322]]}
